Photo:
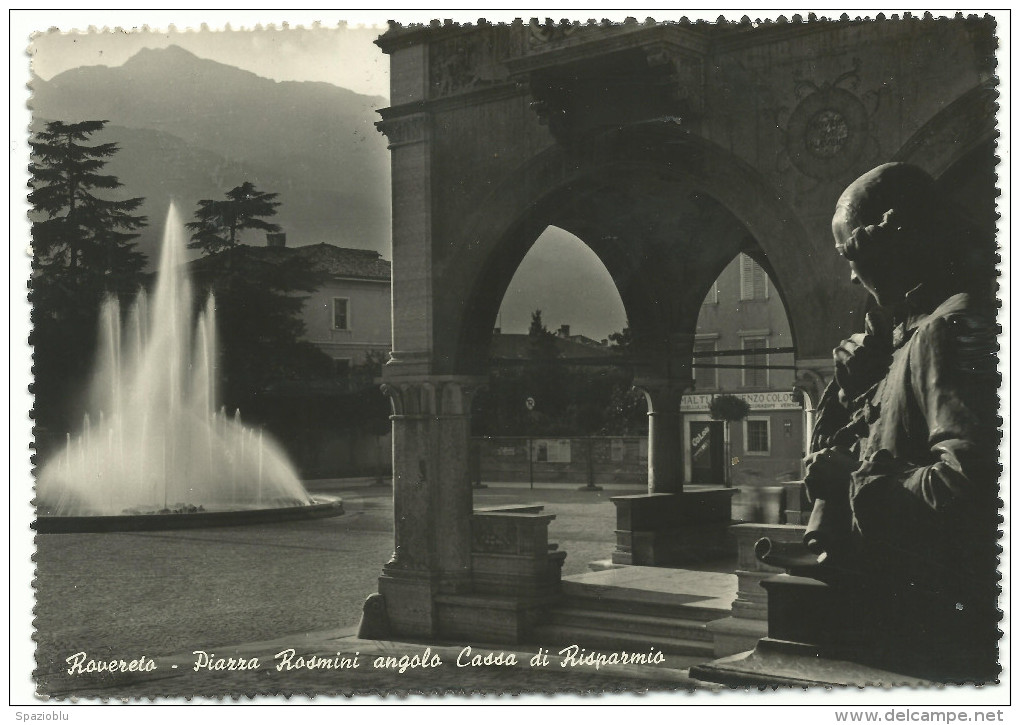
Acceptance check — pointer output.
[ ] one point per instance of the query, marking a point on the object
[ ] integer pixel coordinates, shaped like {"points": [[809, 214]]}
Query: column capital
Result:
{"points": [[435, 396], [662, 393], [812, 375], [406, 130]]}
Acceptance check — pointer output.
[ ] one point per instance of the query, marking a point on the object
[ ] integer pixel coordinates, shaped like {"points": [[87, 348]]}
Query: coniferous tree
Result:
{"points": [[219, 222], [77, 234], [260, 294], [83, 250]]}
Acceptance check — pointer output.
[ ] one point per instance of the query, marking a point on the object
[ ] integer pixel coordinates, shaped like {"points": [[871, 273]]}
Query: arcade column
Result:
{"points": [[431, 498], [431, 412], [669, 526], [665, 468]]}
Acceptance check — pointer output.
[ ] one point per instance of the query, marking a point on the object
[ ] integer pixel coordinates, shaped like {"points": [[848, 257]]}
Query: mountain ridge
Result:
{"points": [[216, 125]]}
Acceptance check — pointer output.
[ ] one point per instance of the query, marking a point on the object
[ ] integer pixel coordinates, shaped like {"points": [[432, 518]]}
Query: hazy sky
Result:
{"points": [[344, 56], [561, 275]]}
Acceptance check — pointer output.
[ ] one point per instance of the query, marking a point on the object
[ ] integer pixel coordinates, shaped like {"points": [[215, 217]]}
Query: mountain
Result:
{"points": [[190, 129]]}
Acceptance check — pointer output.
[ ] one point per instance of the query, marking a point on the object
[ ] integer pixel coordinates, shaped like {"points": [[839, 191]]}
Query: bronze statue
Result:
{"points": [[904, 472]]}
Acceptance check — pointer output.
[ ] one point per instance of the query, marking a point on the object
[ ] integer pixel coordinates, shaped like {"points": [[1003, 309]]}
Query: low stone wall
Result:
{"points": [[611, 459]]}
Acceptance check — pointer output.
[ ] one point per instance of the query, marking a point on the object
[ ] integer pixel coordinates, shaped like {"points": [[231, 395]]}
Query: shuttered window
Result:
{"points": [[755, 374], [705, 378], [754, 283], [341, 313], [712, 298]]}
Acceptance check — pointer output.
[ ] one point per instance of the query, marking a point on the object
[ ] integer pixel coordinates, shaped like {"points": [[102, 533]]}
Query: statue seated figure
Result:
{"points": [[904, 471]]}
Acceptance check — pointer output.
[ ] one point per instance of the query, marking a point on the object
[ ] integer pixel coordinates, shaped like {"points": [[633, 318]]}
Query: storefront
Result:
{"points": [[764, 448]]}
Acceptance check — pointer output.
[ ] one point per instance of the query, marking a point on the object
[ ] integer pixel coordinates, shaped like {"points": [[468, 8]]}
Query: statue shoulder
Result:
{"points": [[961, 330]]}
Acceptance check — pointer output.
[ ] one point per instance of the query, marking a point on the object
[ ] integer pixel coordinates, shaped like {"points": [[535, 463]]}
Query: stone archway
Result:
{"points": [[628, 176], [496, 131]]}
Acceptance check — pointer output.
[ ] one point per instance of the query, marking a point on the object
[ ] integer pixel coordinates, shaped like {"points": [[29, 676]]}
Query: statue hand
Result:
{"points": [[829, 473]]}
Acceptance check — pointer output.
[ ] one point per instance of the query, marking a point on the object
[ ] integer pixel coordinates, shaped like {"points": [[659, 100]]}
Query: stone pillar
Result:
{"points": [[812, 376], [431, 499], [665, 437], [431, 413]]}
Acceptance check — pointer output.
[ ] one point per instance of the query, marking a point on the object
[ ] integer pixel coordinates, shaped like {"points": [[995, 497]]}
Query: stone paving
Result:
{"points": [[165, 594]]}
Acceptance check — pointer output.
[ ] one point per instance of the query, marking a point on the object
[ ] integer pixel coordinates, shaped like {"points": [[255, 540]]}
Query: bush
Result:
{"points": [[729, 408]]}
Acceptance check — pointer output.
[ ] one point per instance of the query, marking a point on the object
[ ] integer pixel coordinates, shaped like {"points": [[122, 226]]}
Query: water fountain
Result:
{"points": [[159, 454]]}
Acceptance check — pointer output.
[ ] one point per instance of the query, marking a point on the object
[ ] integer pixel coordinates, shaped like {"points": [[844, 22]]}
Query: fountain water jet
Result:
{"points": [[159, 448]]}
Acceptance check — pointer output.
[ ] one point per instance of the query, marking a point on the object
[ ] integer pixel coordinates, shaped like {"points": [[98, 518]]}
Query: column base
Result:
{"points": [[672, 529], [488, 618], [409, 603]]}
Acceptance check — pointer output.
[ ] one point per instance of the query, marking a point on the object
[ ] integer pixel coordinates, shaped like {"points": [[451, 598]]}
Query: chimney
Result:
{"points": [[277, 239], [564, 330]]}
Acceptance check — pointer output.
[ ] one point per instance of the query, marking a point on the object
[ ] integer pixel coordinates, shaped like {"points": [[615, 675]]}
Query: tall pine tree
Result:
{"points": [[260, 293], [219, 222], [78, 235], [83, 250]]}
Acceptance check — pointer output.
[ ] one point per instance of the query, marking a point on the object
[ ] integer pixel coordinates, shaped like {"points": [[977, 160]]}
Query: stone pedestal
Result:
{"points": [[748, 621], [671, 529], [859, 632], [816, 635], [778, 663], [515, 574], [798, 509]]}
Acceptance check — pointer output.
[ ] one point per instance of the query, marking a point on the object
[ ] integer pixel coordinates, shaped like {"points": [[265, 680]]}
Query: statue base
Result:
{"points": [[776, 662], [863, 634]]}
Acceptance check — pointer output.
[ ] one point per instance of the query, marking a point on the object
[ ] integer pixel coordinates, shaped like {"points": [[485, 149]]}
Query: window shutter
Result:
{"points": [[755, 377], [761, 281], [746, 277], [340, 313]]}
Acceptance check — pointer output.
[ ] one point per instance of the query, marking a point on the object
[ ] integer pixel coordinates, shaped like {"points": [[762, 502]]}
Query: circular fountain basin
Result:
{"points": [[321, 507]]}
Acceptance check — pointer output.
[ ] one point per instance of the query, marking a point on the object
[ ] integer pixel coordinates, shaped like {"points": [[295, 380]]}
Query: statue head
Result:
{"points": [[886, 227]]}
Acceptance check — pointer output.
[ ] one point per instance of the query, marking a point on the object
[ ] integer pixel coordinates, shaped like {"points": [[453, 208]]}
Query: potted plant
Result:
{"points": [[728, 408]]}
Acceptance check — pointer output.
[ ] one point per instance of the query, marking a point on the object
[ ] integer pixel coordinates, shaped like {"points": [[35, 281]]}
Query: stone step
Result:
{"points": [[555, 636], [642, 624], [628, 600]]}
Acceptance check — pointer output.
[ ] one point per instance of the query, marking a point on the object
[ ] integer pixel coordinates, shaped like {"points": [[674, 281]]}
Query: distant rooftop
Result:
{"points": [[326, 258], [517, 346]]}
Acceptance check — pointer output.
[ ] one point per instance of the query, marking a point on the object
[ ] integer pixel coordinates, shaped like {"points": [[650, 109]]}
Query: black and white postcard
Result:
{"points": [[512, 356]]}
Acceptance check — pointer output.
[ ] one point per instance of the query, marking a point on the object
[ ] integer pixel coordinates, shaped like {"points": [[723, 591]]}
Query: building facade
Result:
{"points": [[330, 423], [741, 325], [669, 149], [348, 315]]}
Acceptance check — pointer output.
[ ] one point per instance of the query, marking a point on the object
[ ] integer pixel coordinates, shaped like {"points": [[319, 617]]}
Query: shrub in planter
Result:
{"points": [[729, 408]]}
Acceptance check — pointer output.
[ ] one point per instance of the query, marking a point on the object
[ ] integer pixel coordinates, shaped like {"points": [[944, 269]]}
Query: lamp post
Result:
{"points": [[529, 404]]}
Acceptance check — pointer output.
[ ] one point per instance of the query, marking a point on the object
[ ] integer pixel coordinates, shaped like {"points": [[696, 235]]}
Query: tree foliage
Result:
{"points": [[77, 234], [569, 400], [219, 223], [622, 341], [729, 408], [260, 294], [83, 249]]}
